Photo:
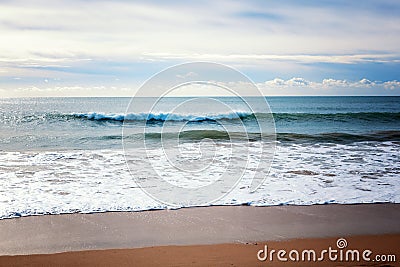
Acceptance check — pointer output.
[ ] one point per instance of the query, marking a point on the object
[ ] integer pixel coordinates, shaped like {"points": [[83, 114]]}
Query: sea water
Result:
{"points": [[64, 155]]}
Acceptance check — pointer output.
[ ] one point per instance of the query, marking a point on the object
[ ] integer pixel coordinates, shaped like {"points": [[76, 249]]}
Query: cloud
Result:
{"points": [[392, 85], [190, 74], [277, 86], [298, 82], [238, 30], [334, 83], [262, 58], [366, 82], [330, 83], [92, 41], [275, 82], [329, 86]]}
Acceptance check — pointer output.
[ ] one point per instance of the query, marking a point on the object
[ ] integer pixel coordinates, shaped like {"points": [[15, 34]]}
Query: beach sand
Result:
{"points": [[210, 236], [210, 255]]}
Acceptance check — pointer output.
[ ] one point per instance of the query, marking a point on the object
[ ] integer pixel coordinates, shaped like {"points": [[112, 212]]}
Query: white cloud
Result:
{"points": [[392, 85], [333, 82], [213, 30], [187, 75], [263, 58], [72, 40], [365, 81], [275, 82], [330, 83], [298, 82], [277, 86], [329, 86]]}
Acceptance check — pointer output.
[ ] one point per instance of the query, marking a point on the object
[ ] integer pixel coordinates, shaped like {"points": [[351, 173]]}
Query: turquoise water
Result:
{"points": [[63, 155], [96, 123]]}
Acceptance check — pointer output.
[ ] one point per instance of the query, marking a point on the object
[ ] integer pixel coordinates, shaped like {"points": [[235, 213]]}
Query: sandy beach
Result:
{"points": [[200, 133], [207, 255], [224, 236]]}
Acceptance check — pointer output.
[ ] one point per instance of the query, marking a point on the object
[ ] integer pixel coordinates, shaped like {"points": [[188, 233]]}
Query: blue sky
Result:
{"points": [[104, 48]]}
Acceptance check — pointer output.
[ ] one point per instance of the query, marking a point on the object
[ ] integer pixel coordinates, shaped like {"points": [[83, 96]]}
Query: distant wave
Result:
{"points": [[161, 116], [289, 117], [367, 117]]}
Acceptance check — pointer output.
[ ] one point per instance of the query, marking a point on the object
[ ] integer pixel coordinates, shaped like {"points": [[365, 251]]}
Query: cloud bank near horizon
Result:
{"points": [[56, 46], [277, 87]]}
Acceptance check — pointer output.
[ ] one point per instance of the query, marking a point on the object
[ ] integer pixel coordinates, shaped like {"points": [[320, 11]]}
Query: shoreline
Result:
{"points": [[196, 207]]}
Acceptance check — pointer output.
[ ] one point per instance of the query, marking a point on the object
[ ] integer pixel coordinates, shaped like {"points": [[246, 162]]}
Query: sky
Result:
{"points": [[110, 48]]}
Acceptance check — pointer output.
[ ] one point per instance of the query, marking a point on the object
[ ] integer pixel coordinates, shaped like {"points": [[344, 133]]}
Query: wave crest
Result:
{"points": [[161, 116]]}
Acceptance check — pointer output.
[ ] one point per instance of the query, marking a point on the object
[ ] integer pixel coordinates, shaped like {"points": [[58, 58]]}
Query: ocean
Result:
{"points": [[66, 155]]}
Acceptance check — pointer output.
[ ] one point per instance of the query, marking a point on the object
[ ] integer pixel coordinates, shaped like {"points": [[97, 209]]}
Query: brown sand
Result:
{"points": [[214, 255], [193, 226], [194, 235]]}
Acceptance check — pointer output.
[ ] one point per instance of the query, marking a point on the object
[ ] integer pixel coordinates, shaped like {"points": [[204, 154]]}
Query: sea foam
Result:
{"points": [[43, 182], [161, 116]]}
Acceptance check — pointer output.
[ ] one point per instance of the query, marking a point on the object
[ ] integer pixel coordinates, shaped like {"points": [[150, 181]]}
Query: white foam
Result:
{"points": [[96, 181]]}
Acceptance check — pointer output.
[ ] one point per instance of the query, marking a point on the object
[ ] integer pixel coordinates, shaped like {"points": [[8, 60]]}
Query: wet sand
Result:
{"points": [[228, 233]]}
